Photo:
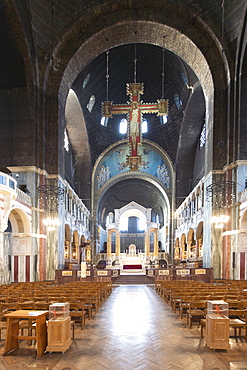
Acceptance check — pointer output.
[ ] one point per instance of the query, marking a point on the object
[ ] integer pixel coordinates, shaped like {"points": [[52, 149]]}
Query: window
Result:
{"points": [[184, 78], [202, 137], [144, 126], [91, 103], [85, 82], [177, 100], [104, 121], [66, 141], [123, 126], [163, 120]]}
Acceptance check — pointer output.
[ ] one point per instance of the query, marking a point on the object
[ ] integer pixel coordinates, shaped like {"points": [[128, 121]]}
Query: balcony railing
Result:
{"points": [[24, 198], [243, 196], [7, 182]]}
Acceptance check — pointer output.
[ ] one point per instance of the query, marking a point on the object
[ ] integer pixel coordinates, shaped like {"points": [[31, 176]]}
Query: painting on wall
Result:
{"points": [[115, 163]]}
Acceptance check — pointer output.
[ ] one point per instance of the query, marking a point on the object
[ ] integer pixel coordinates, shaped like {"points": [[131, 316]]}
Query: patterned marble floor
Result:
{"points": [[133, 330]]}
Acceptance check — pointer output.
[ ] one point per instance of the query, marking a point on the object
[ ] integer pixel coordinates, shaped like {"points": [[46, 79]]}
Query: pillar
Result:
{"points": [[117, 247], [108, 248], [155, 231], [147, 245]]}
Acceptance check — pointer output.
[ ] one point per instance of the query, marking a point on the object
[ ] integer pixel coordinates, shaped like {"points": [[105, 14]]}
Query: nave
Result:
{"points": [[134, 329]]}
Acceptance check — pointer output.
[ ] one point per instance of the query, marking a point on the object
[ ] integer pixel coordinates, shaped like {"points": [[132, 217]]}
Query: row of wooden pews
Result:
{"points": [[189, 299], [84, 298]]}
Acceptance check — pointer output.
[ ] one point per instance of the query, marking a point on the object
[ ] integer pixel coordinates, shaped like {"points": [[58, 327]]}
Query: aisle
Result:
{"points": [[133, 330]]}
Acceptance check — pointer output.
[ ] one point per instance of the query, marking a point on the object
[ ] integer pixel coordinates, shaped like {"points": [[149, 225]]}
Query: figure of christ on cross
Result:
{"points": [[134, 109]]}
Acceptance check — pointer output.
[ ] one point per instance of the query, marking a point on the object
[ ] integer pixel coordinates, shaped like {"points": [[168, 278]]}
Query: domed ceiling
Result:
{"points": [[164, 75]]}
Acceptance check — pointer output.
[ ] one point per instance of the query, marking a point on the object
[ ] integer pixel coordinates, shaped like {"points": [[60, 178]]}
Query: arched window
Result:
{"points": [[123, 126], [144, 126], [203, 137], [91, 103]]}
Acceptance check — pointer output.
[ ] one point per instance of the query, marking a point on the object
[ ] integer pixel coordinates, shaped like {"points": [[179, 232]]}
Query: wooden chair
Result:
{"points": [[29, 305], [244, 304], [203, 326], [234, 304], [184, 304], [238, 320], [41, 306], [10, 306], [3, 326], [196, 312], [77, 313], [88, 307]]}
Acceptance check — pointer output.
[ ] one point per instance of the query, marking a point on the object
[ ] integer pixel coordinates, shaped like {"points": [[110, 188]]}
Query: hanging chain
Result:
{"points": [[135, 60], [223, 22], [107, 75], [163, 74]]}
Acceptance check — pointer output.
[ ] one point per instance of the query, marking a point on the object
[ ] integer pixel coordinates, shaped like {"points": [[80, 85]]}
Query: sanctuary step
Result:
{"points": [[133, 280]]}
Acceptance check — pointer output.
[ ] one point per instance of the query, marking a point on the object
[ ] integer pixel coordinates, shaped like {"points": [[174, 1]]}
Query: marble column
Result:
{"points": [[155, 231], [117, 247], [147, 245], [108, 248]]}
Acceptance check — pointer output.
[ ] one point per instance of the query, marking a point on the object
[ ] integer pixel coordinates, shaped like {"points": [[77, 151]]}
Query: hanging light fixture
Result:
{"points": [[221, 194], [51, 195], [50, 198]]}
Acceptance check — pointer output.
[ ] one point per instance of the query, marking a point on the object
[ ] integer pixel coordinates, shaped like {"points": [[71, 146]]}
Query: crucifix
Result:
{"points": [[134, 110]]}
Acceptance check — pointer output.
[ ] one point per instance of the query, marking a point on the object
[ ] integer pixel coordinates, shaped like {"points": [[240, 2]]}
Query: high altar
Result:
{"points": [[133, 255]]}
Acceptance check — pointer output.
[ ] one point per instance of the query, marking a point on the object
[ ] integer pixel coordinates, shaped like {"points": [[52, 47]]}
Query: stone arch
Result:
{"points": [[76, 129], [177, 254], [67, 241], [166, 36], [167, 194], [183, 247], [75, 246], [19, 221], [243, 221], [199, 239]]}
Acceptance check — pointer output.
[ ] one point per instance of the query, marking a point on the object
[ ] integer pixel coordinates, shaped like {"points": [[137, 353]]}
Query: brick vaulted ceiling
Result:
{"points": [[56, 29]]}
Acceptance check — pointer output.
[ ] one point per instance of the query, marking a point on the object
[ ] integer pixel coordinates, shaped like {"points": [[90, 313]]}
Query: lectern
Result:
{"points": [[59, 328], [217, 325]]}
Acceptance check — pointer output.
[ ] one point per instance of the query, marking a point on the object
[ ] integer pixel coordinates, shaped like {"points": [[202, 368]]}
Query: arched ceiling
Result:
{"points": [[139, 191], [72, 38], [165, 75], [178, 81]]}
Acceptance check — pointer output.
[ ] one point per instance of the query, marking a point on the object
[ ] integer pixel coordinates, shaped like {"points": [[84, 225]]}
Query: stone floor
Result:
{"points": [[134, 329]]}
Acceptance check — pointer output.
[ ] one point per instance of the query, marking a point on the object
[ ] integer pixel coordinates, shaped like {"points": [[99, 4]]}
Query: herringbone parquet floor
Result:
{"points": [[133, 330]]}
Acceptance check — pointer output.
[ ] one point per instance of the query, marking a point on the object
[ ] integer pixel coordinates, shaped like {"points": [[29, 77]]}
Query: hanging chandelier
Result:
{"points": [[51, 196], [221, 194]]}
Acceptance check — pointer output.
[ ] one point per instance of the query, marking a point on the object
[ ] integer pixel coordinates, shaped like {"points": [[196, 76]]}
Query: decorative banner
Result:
{"points": [[183, 272], [66, 273], [200, 271], [150, 272], [105, 273], [83, 269], [164, 272], [88, 273]]}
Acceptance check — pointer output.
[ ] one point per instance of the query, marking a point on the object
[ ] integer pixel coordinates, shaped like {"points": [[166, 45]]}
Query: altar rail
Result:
{"points": [[72, 275], [197, 274]]}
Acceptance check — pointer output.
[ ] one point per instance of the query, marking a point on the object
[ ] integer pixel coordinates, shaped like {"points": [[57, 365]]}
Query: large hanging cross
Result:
{"points": [[134, 110]]}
